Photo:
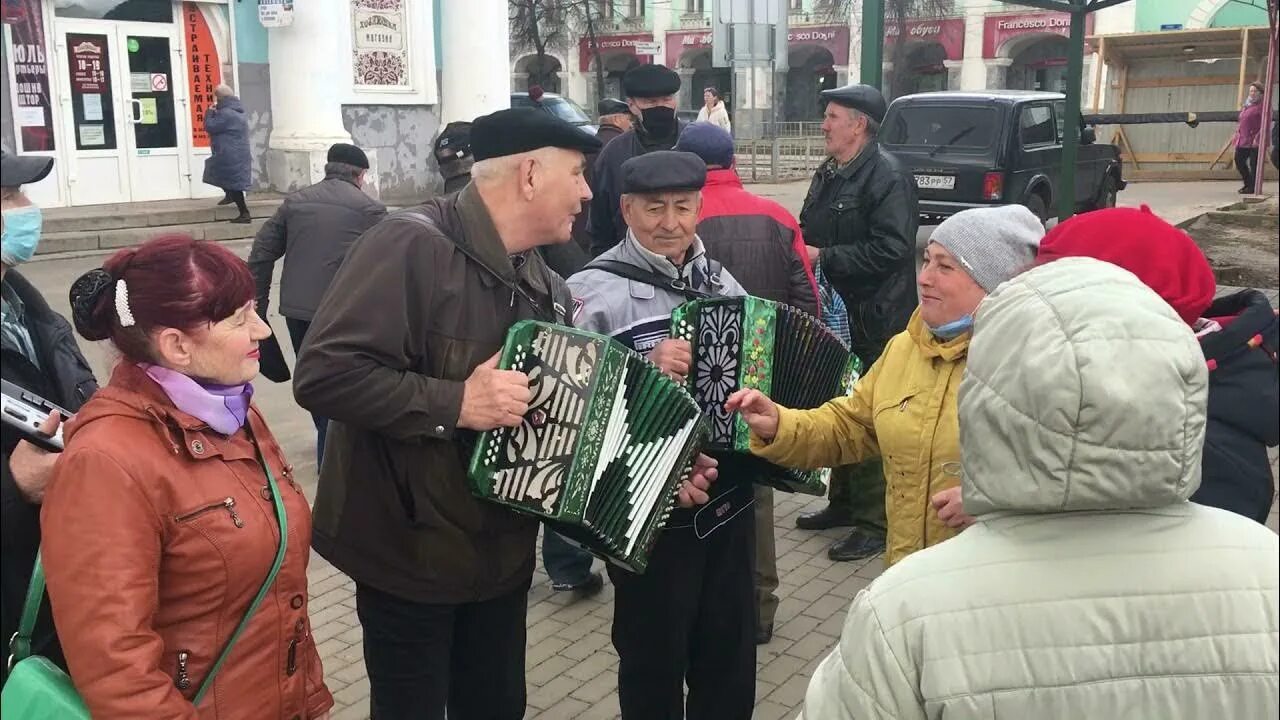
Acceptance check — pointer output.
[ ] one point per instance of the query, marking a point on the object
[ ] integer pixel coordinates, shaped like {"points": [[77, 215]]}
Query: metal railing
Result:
{"points": [[779, 159], [792, 129]]}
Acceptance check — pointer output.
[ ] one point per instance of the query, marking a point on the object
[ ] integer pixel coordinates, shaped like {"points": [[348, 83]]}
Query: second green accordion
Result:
{"points": [[753, 343]]}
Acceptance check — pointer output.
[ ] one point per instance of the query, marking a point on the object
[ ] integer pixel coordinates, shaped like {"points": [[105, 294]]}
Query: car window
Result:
{"points": [[938, 127], [566, 110], [521, 101], [1060, 114], [1036, 126]]}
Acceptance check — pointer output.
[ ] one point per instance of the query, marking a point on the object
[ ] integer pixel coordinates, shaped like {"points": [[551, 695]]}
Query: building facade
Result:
{"points": [[116, 90], [962, 45]]}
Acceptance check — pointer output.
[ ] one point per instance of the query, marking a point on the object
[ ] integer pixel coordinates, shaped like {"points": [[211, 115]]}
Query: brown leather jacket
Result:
{"points": [[158, 532]]}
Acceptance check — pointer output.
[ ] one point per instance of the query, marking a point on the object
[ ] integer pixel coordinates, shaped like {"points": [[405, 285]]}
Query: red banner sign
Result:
{"points": [[948, 32], [997, 30], [610, 45], [33, 113], [204, 69], [834, 38], [88, 57]]}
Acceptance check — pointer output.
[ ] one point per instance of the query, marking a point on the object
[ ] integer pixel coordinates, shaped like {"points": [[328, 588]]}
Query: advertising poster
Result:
{"points": [[33, 113], [204, 66]]}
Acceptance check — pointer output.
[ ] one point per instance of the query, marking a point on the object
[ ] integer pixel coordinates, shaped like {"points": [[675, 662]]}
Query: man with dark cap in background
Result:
{"points": [[690, 618], [860, 219], [760, 243], [312, 230], [453, 155], [651, 97], [615, 119], [38, 353]]}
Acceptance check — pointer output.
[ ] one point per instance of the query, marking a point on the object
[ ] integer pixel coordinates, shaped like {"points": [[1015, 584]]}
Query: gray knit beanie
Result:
{"points": [[992, 244]]}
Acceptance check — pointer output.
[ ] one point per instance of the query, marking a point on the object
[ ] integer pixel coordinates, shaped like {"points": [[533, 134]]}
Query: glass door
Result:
{"points": [[155, 136], [126, 142]]}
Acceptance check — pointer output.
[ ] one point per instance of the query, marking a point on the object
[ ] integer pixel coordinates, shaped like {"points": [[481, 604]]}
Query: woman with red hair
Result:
{"points": [[168, 510]]}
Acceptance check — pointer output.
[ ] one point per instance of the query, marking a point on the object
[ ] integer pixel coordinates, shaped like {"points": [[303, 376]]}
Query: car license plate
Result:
{"points": [[936, 182]]}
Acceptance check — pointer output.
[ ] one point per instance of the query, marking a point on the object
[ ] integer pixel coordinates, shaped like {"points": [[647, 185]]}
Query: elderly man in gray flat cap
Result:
{"points": [[691, 618]]}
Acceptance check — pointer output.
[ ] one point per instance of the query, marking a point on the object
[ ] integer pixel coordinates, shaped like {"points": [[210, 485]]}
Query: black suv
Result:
{"points": [[993, 147]]}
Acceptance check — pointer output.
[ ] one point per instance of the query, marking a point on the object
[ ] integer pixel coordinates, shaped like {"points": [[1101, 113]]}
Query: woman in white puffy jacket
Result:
{"points": [[713, 110], [1088, 587]]}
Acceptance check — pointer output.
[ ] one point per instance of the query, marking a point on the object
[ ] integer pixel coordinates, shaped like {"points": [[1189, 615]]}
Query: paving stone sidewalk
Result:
{"points": [[572, 669]]}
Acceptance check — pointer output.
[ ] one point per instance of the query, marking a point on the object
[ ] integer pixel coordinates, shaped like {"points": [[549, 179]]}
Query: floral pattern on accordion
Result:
{"points": [[716, 377]]}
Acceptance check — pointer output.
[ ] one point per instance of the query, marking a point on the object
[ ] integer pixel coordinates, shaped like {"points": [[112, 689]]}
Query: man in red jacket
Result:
{"points": [[760, 244]]}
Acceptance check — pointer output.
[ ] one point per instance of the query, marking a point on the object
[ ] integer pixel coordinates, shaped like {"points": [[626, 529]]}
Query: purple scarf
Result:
{"points": [[224, 407]]}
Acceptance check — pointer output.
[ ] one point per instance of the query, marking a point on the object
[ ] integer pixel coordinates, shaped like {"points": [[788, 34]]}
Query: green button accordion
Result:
{"points": [[603, 448], [752, 343]]}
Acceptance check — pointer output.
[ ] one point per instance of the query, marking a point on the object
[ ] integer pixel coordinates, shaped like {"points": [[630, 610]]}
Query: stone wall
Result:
{"points": [[398, 139]]}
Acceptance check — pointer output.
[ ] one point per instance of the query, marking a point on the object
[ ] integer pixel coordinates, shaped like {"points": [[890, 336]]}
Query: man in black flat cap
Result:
{"points": [[651, 97], [859, 220], [312, 230], [402, 356], [615, 119], [690, 619]]}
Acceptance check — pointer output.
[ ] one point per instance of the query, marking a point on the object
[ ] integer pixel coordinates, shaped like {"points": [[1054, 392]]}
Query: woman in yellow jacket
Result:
{"points": [[904, 409]]}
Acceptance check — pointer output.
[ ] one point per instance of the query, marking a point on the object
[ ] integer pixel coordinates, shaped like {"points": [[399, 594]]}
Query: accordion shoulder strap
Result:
{"points": [[648, 277], [423, 220]]}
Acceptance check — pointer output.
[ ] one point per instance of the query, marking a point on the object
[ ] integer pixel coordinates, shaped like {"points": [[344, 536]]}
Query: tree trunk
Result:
{"points": [[595, 50]]}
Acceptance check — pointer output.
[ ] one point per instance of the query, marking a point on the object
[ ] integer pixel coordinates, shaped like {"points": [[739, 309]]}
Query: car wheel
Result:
{"points": [[1036, 204]]}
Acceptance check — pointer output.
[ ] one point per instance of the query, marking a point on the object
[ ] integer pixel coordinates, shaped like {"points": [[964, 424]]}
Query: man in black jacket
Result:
{"points": [[312, 230], [39, 353], [860, 219], [651, 96]]}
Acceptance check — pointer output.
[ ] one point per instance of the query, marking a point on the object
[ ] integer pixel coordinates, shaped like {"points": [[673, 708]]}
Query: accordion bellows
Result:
{"points": [[784, 352], [603, 448]]}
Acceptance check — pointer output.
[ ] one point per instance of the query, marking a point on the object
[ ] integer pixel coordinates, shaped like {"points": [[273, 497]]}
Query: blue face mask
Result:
{"points": [[21, 234], [953, 329]]}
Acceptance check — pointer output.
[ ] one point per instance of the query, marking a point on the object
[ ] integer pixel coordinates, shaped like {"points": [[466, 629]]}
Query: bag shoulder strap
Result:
{"points": [[20, 643], [648, 277], [282, 521]]}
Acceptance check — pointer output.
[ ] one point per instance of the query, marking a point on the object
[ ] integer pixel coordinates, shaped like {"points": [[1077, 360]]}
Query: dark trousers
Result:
{"points": [[297, 332], [237, 196], [1247, 164], [566, 563], [689, 619], [422, 659]]}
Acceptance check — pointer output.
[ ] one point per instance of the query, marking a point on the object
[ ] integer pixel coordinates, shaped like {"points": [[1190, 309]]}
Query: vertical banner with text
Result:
{"points": [[33, 111], [204, 68]]}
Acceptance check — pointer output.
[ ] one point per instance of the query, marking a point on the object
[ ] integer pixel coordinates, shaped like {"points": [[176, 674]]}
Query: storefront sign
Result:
{"points": [[380, 56], [948, 32], [998, 30], [275, 13], [204, 69], [33, 113], [88, 60], [612, 45], [834, 38]]}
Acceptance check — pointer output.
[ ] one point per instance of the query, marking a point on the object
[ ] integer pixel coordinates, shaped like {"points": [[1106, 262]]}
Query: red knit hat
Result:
{"points": [[1161, 255]]}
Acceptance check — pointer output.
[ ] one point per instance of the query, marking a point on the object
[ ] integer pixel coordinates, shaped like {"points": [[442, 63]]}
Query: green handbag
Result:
{"points": [[39, 690]]}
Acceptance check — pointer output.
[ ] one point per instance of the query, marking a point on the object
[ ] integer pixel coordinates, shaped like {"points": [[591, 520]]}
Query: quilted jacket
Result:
{"points": [[903, 411], [1089, 587]]}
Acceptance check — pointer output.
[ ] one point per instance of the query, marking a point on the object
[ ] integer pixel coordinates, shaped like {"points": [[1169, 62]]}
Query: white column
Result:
{"points": [[475, 65], [308, 80], [973, 70]]}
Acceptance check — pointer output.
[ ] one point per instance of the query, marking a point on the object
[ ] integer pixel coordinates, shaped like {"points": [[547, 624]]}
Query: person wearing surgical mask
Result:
{"points": [[651, 96], [904, 409], [37, 353]]}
